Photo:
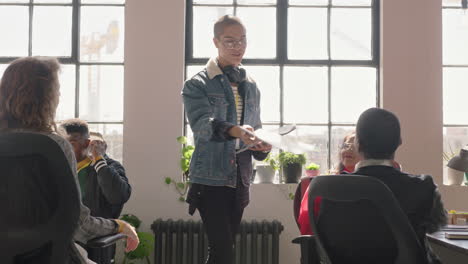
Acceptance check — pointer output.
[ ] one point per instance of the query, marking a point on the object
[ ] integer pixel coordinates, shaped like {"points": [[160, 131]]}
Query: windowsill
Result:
{"points": [[446, 186]]}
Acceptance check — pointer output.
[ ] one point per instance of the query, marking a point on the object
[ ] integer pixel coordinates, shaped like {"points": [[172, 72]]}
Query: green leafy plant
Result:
{"points": [[181, 187], [286, 158], [312, 166], [187, 152], [272, 161], [146, 245]]}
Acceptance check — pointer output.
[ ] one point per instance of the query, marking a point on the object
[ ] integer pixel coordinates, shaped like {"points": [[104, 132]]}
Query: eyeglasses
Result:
{"points": [[234, 44], [346, 146]]}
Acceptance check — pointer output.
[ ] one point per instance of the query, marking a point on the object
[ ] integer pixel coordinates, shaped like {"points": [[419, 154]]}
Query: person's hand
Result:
{"points": [[248, 138], [132, 237], [97, 148], [262, 146]]}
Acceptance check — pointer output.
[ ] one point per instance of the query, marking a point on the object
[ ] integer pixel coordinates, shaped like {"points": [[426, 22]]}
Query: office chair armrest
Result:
{"points": [[304, 239], [308, 252], [104, 241]]}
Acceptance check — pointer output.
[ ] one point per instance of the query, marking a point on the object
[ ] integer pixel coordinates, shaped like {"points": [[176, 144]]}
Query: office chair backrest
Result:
{"points": [[299, 194], [360, 221], [38, 198]]}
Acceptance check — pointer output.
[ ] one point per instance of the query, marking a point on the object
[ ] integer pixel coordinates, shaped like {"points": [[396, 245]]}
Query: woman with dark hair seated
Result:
{"points": [[29, 96]]}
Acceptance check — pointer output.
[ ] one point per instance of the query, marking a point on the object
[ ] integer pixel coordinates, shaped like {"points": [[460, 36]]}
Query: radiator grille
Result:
{"points": [[185, 242]]}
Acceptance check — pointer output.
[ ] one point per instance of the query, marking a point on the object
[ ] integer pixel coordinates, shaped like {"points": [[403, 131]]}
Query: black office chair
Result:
{"points": [[360, 221], [306, 242], [103, 256], [38, 200]]}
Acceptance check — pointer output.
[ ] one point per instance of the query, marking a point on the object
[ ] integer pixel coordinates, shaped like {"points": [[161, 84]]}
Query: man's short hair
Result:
{"points": [[76, 125], [224, 21], [378, 134]]}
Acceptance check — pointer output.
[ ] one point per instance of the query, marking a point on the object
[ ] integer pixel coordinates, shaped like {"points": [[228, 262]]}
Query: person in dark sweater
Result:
{"points": [[103, 183], [377, 139]]}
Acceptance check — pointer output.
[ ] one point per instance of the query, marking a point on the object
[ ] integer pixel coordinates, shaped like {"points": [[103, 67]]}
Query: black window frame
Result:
{"points": [[74, 59], [282, 60]]}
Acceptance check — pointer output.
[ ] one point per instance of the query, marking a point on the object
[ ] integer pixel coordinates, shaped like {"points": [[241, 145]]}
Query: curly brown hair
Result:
{"points": [[29, 94]]}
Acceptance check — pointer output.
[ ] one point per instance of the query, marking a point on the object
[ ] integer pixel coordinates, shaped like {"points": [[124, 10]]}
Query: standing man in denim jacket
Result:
{"points": [[221, 102]]}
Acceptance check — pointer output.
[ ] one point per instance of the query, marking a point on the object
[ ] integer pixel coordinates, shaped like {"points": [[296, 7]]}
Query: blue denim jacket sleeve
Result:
{"points": [[200, 115], [220, 130]]}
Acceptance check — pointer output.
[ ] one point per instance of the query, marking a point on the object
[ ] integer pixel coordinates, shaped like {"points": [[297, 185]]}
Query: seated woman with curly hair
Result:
{"points": [[29, 96]]}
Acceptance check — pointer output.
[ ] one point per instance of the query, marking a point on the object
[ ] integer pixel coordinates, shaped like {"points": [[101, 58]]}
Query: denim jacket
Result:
{"points": [[211, 111]]}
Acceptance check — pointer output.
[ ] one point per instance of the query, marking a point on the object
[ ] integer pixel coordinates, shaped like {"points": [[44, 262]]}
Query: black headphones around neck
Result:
{"points": [[235, 74]]}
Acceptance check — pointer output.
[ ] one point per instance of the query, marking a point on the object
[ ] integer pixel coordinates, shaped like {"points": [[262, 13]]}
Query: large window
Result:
{"points": [[315, 62], [455, 75], [87, 37]]}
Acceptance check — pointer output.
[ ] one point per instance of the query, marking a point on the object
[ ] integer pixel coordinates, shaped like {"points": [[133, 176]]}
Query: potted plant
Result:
{"points": [[312, 169], [265, 172], [146, 245], [291, 165]]}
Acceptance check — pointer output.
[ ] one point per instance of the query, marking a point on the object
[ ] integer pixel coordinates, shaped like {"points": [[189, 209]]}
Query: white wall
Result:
{"points": [[411, 68], [154, 63], [411, 52]]}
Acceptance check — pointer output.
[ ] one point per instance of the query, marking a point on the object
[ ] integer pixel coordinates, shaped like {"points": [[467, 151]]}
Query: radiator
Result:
{"points": [[185, 242]]}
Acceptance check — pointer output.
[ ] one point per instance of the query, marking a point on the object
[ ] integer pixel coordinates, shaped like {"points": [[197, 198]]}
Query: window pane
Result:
{"points": [[451, 3], [49, 37], [14, 38], [455, 94], [308, 2], [305, 94], [67, 78], [256, 2], [307, 33], [103, 1], [203, 22], [217, 2], [267, 79], [192, 70], [53, 1], [455, 37], [351, 33], [338, 134], [261, 31], [352, 2], [353, 90], [189, 135], [273, 153], [101, 93], [113, 135], [102, 34], [455, 138], [2, 69], [14, 1], [314, 142]]}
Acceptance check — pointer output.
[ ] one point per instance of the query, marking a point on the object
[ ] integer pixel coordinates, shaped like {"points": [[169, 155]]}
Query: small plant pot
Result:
{"points": [[312, 173], [264, 173], [292, 172]]}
